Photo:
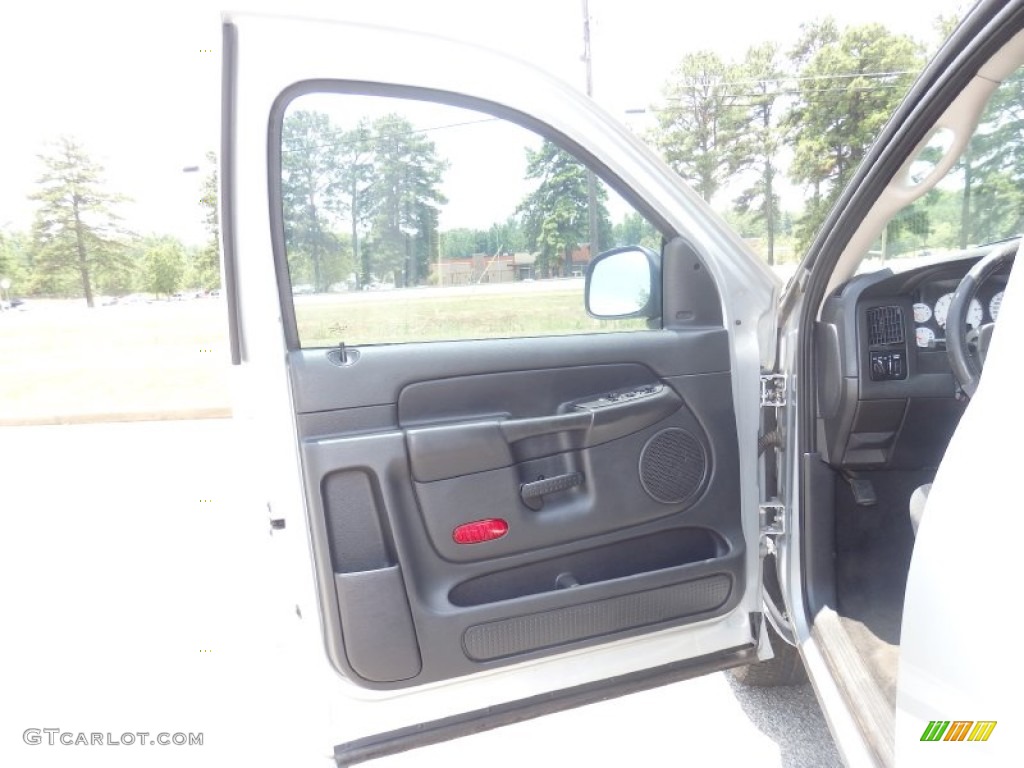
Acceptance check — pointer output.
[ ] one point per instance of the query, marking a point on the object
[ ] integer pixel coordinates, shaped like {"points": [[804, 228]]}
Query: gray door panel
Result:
{"points": [[610, 459], [380, 373]]}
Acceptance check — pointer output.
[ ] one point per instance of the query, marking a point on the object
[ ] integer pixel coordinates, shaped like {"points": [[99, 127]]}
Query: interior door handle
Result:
{"points": [[534, 492], [452, 450], [521, 429]]}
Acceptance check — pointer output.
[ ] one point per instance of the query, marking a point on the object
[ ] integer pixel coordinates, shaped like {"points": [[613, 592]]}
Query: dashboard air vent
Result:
{"points": [[885, 326]]}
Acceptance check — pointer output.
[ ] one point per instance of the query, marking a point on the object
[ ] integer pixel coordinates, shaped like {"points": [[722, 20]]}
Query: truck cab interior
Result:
{"points": [[889, 402], [899, 342]]}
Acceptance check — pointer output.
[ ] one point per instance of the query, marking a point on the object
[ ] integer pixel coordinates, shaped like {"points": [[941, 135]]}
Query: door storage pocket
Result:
{"points": [[645, 554], [380, 641], [536, 631]]}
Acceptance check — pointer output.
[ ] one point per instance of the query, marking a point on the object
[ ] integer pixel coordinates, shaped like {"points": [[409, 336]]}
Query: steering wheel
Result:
{"points": [[966, 349]]}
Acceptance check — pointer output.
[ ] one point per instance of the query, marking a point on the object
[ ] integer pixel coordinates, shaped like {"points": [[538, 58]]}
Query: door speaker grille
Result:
{"points": [[672, 466]]}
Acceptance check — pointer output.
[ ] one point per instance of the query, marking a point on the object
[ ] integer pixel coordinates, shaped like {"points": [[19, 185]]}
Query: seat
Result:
{"points": [[917, 501]]}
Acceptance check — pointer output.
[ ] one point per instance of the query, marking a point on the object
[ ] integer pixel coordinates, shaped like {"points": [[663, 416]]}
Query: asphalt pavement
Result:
{"points": [[135, 584]]}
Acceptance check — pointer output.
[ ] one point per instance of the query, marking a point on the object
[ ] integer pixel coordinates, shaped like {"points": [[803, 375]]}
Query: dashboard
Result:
{"points": [[887, 397]]}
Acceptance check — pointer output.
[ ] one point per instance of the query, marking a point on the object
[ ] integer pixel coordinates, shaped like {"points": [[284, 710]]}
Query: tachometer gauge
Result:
{"points": [[922, 313], [974, 311], [993, 306], [974, 314], [942, 309], [925, 336]]}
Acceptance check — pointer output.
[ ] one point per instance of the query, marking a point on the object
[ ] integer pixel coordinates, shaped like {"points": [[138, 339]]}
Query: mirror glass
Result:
{"points": [[619, 284]]}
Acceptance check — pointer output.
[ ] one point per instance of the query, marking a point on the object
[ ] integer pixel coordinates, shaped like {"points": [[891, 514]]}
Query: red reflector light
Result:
{"points": [[479, 531]]}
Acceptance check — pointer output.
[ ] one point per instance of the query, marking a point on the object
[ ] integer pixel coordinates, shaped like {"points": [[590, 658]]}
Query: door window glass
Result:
{"points": [[981, 198], [416, 221]]}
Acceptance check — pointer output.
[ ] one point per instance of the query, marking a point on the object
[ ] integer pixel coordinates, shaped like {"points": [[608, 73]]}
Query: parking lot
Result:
{"points": [[138, 596]]}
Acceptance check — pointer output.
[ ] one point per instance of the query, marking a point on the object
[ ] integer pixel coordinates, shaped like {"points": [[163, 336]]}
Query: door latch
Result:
{"points": [[276, 523], [773, 390]]}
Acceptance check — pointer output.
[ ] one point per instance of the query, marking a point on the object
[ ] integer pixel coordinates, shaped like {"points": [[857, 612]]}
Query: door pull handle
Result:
{"points": [[533, 493]]}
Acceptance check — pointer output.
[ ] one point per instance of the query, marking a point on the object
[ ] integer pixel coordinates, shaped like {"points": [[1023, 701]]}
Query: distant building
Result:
{"points": [[483, 268], [502, 268], [578, 260]]}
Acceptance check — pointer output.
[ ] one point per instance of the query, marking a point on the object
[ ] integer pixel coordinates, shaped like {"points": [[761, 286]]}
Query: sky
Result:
{"points": [[138, 83]]}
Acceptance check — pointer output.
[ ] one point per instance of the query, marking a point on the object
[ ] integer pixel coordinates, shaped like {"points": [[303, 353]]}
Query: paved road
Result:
{"points": [[133, 599]]}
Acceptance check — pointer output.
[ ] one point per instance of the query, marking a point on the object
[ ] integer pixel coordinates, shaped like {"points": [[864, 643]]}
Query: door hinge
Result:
{"points": [[773, 390], [772, 520]]}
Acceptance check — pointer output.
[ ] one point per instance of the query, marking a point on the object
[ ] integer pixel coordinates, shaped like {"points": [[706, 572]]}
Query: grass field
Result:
{"points": [[64, 362], [432, 314]]}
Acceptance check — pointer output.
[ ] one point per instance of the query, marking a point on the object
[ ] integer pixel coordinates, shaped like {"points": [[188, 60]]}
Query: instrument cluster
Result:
{"points": [[932, 307]]}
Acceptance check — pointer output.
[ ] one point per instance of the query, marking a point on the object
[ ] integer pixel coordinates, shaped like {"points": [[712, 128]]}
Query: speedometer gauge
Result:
{"points": [[924, 336], [974, 311], [993, 306], [942, 309], [974, 314], [922, 313]]}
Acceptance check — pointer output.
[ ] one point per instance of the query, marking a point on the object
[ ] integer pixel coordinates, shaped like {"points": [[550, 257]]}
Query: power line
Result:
{"points": [[716, 82], [383, 136], [775, 94]]}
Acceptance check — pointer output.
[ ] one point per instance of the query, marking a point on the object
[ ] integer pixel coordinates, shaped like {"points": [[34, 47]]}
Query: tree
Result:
{"points": [[163, 266], [75, 232], [506, 237], [848, 85], [356, 158], [463, 242], [993, 168], [981, 199], [500, 237], [6, 257], [311, 194], [204, 267], [634, 229], [406, 198], [701, 121], [759, 145], [814, 35], [555, 214], [943, 26], [14, 254], [907, 230]]}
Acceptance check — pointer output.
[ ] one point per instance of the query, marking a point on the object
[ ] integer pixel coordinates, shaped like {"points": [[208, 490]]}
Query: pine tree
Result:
{"points": [[405, 198], [849, 84], [75, 232], [312, 194], [205, 268], [555, 214], [759, 146], [702, 121]]}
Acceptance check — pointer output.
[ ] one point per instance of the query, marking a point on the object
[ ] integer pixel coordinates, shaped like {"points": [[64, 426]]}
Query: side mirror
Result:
{"points": [[624, 282]]}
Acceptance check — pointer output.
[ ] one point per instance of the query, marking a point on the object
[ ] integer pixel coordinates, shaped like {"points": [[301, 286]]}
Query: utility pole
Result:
{"points": [[595, 246]]}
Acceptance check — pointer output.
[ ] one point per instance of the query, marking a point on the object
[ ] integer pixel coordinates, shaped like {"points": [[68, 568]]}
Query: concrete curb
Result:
{"points": [[183, 414]]}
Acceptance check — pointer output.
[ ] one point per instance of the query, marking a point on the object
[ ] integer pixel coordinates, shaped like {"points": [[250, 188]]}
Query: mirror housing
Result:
{"points": [[623, 283]]}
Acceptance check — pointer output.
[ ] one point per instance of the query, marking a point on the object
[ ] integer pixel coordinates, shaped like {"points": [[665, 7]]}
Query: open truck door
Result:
{"points": [[495, 505]]}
